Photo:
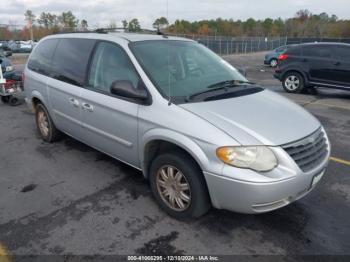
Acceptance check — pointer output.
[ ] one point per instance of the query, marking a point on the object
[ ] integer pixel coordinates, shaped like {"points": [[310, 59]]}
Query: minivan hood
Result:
{"points": [[263, 118]]}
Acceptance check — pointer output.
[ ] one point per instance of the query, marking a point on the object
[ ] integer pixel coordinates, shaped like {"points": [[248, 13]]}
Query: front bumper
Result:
{"points": [[228, 192]]}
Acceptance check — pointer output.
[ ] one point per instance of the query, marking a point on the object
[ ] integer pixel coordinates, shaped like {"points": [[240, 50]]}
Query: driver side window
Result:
{"points": [[110, 63]]}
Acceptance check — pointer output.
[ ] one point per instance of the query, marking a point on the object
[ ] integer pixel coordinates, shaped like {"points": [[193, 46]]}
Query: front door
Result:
{"points": [[110, 122]]}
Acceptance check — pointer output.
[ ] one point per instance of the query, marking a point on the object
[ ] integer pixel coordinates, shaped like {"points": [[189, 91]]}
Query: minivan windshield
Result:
{"points": [[184, 68]]}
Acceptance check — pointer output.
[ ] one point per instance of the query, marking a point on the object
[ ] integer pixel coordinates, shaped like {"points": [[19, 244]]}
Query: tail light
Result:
{"points": [[283, 57]]}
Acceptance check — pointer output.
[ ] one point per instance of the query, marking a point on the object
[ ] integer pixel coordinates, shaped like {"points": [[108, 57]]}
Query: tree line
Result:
{"points": [[303, 24]]}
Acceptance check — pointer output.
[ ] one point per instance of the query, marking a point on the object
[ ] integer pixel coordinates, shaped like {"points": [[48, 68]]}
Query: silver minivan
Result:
{"points": [[200, 132]]}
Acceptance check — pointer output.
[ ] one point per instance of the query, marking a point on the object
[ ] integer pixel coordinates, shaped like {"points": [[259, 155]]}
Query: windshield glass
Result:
{"points": [[187, 66]]}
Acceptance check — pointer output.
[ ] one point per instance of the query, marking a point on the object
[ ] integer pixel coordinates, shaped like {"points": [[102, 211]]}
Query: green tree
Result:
{"points": [[68, 20], [267, 26], [160, 23], [84, 24], [29, 17], [134, 25], [44, 20], [125, 24]]}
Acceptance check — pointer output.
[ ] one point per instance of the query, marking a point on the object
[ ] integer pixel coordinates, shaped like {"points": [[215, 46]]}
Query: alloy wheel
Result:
{"points": [[292, 83]]}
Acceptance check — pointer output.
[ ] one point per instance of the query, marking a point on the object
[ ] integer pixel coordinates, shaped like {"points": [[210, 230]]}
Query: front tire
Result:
{"points": [[45, 125], [293, 82], [178, 185]]}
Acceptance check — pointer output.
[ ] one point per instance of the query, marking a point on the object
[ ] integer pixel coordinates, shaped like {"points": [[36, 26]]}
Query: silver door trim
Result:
{"points": [[108, 135]]}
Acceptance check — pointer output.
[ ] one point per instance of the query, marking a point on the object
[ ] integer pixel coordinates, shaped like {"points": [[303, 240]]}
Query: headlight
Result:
{"points": [[259, 158], [9, 68]]}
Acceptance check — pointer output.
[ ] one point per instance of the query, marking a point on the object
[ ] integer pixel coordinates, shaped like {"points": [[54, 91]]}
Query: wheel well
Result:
{"points": [[157, 147], [35, 101]]}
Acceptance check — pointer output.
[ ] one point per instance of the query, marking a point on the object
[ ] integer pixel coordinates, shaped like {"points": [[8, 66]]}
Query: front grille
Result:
{"points": [[308, 152]]}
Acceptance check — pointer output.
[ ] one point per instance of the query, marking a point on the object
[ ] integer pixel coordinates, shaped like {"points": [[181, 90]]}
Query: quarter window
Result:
{"points": [[40, 59], [71, 59], [110, 63]]}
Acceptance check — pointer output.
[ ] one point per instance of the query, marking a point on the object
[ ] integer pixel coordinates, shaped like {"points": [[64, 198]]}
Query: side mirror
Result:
{"points": [[125, 88], [242, 71]]}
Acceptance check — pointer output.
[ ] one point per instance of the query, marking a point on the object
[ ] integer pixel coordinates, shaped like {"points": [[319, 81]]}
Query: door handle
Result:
{"points": [[337, 63], [304, 60], [87, 107], [74, 102]]}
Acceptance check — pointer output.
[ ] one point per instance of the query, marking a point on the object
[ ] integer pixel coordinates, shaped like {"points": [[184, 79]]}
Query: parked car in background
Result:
{"points": [[314, 65], [271, 58], [199, 131], [5, 48], [21, 46], [6, 65]]}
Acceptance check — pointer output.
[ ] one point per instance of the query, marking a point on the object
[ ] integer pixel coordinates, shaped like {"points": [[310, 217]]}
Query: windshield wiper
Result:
{"points": [[224, 85], [230, 83]]}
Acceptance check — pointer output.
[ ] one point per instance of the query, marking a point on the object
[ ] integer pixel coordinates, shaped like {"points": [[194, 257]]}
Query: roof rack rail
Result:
{"points": [[74, 32], [126, 30], [116, 30]]}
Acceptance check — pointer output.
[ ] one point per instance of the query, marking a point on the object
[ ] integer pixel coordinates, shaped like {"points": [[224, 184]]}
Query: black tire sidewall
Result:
{"points": [[14, 101], [200, 201], [5, 99], [301, 81]]}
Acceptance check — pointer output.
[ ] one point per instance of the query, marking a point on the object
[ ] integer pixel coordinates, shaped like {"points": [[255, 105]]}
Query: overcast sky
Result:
{"points": [[100, 12]]}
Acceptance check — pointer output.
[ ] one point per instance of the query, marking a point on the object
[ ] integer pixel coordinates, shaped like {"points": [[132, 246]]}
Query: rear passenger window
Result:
{"points": [[110, 63], [317, 51], [71, 59], [342, 53], [40, 59]]}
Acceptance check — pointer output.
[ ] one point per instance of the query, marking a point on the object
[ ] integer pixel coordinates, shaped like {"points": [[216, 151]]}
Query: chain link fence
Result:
{"points": [[291, 41], [237, 45]]}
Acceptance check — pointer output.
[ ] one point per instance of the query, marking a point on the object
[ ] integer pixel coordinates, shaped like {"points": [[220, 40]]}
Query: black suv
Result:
{"points": [[316, 64]]}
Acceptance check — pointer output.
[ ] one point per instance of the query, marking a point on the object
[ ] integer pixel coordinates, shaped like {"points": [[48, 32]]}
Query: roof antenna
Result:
{"points": [[169, 85]]}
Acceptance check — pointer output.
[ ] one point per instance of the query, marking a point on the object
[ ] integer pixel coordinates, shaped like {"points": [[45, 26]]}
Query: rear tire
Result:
{"points": [[273, 62], [293, 82], [45, 125], [5, 99], [182, 192], [14, 101]]}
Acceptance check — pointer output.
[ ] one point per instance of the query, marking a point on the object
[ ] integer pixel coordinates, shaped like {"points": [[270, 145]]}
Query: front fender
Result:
{"points": [[176, 138]]}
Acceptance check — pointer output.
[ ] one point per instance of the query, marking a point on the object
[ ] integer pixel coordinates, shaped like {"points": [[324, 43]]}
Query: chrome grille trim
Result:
{"points": [[308, 152]]}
